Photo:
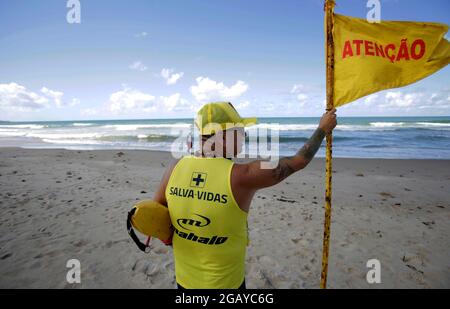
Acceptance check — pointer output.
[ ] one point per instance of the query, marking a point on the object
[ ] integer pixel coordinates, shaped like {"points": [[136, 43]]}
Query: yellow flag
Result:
{"points": [[370, 57]]}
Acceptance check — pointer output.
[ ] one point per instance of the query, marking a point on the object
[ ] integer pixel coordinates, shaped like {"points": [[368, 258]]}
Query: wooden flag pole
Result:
{"points": [[329, 11]]}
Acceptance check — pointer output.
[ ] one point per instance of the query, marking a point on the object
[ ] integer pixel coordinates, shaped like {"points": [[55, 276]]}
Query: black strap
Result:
{"points": [[132, 234]]}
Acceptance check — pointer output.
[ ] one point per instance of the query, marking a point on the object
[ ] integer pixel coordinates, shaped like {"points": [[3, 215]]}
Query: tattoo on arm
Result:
{"points": [[311, 147], [283, 170]]}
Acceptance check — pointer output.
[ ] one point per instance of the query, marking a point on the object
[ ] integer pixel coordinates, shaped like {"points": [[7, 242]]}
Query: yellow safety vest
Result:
{"points": [[210, 237]]}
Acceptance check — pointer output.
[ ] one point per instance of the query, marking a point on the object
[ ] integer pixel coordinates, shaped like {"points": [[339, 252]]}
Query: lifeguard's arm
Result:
{"points": [[160, 194], [251, 176]]}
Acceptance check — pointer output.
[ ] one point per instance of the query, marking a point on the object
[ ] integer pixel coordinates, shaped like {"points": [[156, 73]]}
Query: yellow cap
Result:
{"points": [[216, 116], [152, 219]]}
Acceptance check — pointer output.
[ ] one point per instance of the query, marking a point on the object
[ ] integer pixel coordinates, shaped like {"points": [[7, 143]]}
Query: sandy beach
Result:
{"points": [[57, 205]]}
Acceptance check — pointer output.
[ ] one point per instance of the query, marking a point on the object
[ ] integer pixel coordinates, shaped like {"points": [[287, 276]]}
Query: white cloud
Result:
{"points": [[138, 66], [171, 77], [15, 97], [437, 101], [175, 102], [141, 34], [302, 98], [208, 89], [371, 100], [394, 99], [56, 96], [299, 91], [171, 102], [130, 100], [297, 88], [442, 98], [401, 102]]}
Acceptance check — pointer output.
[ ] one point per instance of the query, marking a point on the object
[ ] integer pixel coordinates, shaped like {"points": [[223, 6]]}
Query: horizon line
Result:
{"points": [[264, 117]]}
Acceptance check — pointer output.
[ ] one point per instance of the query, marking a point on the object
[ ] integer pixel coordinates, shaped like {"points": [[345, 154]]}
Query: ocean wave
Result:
{"points": [[293, 139], [434, 124], [386, 124], [82, 124], [72, 141], [410, 125], [23, 126], [311, 127], [134, 127], [5, 132], [63, 135], [372, 126], [285, 127], [349, 127], [139, 138], [376, 146]]}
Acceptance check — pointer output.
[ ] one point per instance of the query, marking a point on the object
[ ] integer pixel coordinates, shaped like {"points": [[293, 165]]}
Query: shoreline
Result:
{"points": [[58, 204], [239, 159]]}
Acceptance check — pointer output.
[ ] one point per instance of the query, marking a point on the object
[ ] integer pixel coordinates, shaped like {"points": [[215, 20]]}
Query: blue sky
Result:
{"points": [[163, 59]]}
